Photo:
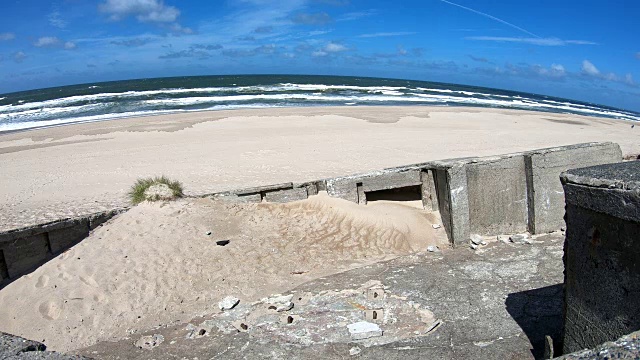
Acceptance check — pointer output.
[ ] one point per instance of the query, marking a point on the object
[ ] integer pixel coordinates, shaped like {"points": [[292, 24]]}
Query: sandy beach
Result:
{"points": [[78, 169]]}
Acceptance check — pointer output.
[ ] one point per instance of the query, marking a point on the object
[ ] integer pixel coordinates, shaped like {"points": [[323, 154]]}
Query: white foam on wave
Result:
{"points": [[94, 118], [47, 112]]}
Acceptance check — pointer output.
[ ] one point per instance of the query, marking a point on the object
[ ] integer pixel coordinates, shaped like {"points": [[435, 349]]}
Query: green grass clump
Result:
{"points": [[136, 194]]}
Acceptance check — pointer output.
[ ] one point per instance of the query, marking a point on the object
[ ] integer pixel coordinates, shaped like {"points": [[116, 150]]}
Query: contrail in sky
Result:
{"points": [[491, 17]]}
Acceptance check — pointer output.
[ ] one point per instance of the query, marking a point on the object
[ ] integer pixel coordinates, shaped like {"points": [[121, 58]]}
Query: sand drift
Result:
{"points": [[166, 263]]}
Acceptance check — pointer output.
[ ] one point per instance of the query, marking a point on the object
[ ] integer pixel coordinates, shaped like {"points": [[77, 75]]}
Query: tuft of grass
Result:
{"points": [[136, 194]]}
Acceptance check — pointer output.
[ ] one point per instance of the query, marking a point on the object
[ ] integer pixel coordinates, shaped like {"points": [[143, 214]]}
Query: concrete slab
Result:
{"points": [[497, 191], [285, 196], [543, 168]]}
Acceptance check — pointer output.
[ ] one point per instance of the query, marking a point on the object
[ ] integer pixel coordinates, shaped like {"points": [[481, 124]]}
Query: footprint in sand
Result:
{"points": [[50, 310], [42, 281]]}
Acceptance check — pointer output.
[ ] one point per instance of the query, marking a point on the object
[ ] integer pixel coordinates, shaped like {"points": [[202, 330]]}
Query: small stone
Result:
{"points": [[432, 248], [222, 242], [228, 303], [503, 238], [520, 239], [477, 239], [354, 351], [208, 233], [364, 330], [473, 246], [436, 226], [149, 342]]}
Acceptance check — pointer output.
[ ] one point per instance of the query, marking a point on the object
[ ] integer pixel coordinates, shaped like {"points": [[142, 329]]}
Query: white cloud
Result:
{"points": [[19, 57], [143, 10], [7, 36], [334, 48], [628, 79], [319, 53], [554, 71], [590, 69], [385, 34], [56, 20], [638, 55], [47, 41], [69, 45], [532, 41]]}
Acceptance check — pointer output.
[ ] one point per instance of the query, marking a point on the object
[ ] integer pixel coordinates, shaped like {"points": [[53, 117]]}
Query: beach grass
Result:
{"points": [[137, 194]]}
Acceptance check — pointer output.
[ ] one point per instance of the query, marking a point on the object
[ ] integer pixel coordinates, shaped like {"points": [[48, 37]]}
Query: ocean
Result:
{"points": [[120, 99]]}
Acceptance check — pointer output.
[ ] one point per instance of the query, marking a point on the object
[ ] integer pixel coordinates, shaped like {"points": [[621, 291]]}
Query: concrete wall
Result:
{"points": [[23, 250], [546, 197], [602, 254]]}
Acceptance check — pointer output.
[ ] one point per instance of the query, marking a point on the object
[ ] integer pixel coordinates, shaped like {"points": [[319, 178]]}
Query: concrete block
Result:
{"points": [[344, 188], [23, 255], [311, 187], [453, 201], [497, 191], [247, 198], [64, 238], [429, 196], [602, 253], [543, 168], [391, 180], [284, 196]]}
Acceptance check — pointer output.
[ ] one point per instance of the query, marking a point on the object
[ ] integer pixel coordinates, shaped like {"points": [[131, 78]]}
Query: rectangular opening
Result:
{"points": [[403, 194]]}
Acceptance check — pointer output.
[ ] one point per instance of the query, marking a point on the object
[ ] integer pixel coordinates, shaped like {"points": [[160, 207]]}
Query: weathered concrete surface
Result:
{"points": [[497, 191], [391, 180], [288, 195], [543, 167], [262, 189], [602, 272], [62, 239], [627, 347], [453, 200], [429, 195], [16, 348], [495, 303]]}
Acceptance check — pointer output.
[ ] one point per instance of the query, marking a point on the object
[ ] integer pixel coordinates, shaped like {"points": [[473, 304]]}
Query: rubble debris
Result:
{"points": [[355, 351], [223, 242], [436, 226], [432, 248], [364, 330], [228, 303]]}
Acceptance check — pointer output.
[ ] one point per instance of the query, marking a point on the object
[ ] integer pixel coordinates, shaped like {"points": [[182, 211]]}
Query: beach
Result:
{"points": [[78, 169]]}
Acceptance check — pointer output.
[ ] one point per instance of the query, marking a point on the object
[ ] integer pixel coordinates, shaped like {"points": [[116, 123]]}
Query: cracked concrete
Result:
{"points": [[495, 303]]}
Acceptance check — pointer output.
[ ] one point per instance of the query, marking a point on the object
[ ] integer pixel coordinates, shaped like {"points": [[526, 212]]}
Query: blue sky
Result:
{"points": [[583, 50]]}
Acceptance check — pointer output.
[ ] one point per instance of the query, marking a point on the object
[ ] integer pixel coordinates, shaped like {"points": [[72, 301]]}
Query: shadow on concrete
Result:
{"points": [[538, 312]]}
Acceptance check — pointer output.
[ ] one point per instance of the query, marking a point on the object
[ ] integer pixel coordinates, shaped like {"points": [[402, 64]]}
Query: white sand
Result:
{"points": [[155, 264], [49, 173]]}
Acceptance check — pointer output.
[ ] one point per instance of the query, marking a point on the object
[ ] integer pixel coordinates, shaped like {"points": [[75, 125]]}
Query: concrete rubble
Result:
{"points": [[228, 303]]}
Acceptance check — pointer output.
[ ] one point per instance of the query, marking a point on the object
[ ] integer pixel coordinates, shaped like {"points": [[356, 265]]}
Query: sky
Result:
{"points": [[584, 50]]}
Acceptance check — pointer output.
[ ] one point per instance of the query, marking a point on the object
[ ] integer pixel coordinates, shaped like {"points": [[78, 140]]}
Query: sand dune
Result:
{"points": [[156, 264]]}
